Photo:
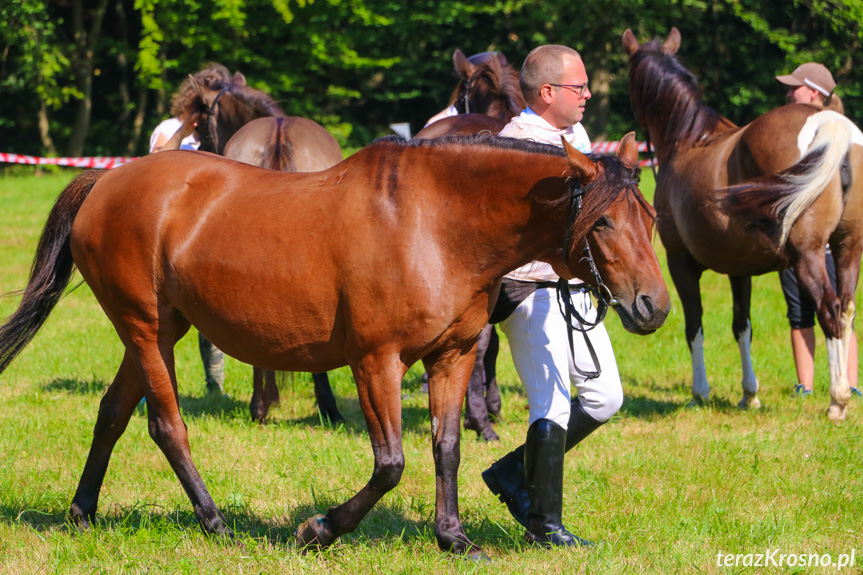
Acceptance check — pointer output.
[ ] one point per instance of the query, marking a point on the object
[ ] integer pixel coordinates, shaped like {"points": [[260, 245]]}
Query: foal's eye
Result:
{"points": [[602, 223]]}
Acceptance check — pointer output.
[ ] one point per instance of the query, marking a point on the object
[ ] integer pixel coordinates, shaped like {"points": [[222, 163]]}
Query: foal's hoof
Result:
{"points": [[836, 413], [489, 435], [697, 401], [315, 533], [477, 555]]}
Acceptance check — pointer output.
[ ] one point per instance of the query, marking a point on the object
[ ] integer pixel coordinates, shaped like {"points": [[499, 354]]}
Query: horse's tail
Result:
{"points": [[774, 202], [51, 271], [281, 153]]}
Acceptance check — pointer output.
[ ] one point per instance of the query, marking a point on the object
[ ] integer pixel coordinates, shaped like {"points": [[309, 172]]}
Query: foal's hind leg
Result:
{"points": [[116, 408], [264, 393], [741, 325], [686, 275], [379, 388]]}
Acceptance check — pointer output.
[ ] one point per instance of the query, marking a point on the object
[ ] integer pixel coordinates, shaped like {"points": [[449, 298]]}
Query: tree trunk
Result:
{"points": [[139, 122], [85, 48], [44, 131]]}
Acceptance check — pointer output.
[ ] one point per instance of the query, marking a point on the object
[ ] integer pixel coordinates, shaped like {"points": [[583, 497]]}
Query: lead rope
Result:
{"points": [[603, 295]]}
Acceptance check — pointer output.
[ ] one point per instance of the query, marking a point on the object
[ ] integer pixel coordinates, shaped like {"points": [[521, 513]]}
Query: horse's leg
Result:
{"points": [[686, 275], [813, 277], [489, 360], [476, 416], [151, 345], [847, 252], [116, 408], [326, 399], [260, 404], [379, 379], [448, 379], [741, 325]]}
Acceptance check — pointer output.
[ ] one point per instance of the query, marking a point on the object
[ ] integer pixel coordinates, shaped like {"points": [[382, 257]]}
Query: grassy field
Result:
{"points": [[664, 487]]}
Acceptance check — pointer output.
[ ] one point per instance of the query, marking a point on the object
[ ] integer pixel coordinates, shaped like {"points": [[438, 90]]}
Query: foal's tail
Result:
{"points": [[51, 271], [774, 202]]}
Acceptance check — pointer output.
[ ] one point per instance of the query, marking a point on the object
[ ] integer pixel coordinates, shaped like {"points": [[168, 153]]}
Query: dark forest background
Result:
{"points": [[93, 77]]}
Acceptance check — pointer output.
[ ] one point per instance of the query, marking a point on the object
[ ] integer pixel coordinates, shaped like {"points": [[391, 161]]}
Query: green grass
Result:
{"points": [[664, 487]]}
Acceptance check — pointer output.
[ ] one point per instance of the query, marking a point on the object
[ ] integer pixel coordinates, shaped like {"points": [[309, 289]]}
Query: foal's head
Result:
{"points": [[489, 88], [616, 222], [222, 104]]}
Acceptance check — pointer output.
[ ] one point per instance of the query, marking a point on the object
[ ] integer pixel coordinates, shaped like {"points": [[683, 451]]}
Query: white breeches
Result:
{"points": [[537, 336]]}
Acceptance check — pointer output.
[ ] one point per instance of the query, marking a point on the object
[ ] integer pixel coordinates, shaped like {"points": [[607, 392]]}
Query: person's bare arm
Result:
{"points": [[164, 144]]}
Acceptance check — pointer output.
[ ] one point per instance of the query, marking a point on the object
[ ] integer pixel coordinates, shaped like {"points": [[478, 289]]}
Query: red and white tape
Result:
{"points": [[95, 162], [107, 163]]}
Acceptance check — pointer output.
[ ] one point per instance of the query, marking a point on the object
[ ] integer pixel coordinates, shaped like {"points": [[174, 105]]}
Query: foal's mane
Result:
{"points": [[664, 91], [616, 178], [501, 79]]}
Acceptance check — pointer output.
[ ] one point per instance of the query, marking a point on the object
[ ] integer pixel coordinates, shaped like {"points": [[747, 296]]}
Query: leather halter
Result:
{"points": [[466, 97], [601, 292]]}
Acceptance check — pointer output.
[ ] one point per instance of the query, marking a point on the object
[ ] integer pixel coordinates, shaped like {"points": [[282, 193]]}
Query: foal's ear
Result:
{"points": [[672, 43], [462, 64], [582, 168], [239, 79], [627, 150], [630, 43]]}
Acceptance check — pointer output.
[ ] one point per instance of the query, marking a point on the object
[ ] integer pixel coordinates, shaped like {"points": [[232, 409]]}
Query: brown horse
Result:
{"points": [[247, 125], [377, 263], [747, 201]]}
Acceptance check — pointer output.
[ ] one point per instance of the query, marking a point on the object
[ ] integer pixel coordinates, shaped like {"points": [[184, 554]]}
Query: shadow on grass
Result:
{"points": [[77, 387], [383, 522], [643, 402]]}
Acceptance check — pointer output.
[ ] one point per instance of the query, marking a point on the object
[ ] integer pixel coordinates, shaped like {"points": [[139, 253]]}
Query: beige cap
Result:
{"points": [[811, 74]]}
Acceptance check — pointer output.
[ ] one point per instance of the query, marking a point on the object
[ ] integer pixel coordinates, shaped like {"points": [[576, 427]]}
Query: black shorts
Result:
{"points": [[801, 310]]}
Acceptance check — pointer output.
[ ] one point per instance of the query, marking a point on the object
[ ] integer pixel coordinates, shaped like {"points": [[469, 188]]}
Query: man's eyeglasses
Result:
{"points": [[579, 89]]}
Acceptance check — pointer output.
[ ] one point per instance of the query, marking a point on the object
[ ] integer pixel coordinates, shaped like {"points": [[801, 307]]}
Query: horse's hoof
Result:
{"points": [[749, 402], [478, 556], [489, 435], [315, 533], [836, 413], [697, 401], [80, 519]]}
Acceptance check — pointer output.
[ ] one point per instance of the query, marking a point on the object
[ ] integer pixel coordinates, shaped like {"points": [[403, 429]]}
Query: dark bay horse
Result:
{"points": [[377, 263], [749, 200], [247, 125]]}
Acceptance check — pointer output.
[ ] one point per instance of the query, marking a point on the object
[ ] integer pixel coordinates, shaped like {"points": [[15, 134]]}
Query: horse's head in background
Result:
{"points": [[489, 87], [221, 104]]}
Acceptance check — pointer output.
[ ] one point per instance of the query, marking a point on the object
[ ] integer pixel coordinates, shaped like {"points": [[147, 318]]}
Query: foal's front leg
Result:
{"points": [[741, 325]]}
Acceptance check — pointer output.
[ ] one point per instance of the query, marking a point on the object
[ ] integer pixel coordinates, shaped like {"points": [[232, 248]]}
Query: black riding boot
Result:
{"points": [[543, 474], [505, 477]]}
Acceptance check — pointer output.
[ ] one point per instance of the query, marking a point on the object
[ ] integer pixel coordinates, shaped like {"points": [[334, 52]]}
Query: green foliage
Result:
{"points": [[369, 63]]}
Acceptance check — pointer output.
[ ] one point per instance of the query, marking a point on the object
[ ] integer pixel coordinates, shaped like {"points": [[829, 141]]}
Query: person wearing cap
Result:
{"points": [[812, 84], [529, 479], [475, 60]]}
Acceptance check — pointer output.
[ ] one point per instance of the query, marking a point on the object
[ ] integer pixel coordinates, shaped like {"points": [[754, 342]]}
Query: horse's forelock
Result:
{"points": [[615, 179]]}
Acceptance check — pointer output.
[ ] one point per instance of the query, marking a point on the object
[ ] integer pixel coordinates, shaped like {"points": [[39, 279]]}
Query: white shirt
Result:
{"points": [[530, 126], [168, 128]]}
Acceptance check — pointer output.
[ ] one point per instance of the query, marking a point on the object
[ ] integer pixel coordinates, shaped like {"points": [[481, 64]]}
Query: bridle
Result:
{"points": [[600, 291], [210, 110], [466, 97]]}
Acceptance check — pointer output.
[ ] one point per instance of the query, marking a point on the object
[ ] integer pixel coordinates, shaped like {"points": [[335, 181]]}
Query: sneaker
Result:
{"points": [[801, 391]]}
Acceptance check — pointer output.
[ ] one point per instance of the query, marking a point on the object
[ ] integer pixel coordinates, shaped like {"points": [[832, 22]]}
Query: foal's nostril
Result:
{"points": [[645, 306]]}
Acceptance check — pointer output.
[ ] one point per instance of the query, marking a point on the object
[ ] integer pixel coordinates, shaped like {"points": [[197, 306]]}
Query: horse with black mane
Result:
{"points": [[748, 200], [377, 263]]}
